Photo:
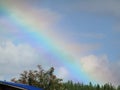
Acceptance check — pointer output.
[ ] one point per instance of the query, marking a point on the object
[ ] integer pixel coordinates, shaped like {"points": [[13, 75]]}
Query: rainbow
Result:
{"points": [[31, 32]]}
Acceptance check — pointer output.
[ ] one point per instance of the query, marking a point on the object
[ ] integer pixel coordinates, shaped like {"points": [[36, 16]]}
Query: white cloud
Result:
{"points": [[16, 58], [62, 72], [98, 68]]}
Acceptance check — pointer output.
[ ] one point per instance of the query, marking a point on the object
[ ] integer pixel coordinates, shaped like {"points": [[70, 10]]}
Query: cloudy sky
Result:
{"points": [[80, 38]]}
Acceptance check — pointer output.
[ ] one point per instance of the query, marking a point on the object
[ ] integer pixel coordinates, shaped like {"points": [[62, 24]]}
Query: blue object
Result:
{"points": [[18, 85]]}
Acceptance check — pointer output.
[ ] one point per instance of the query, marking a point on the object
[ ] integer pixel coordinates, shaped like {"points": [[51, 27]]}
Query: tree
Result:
{"points": [[48, 81], [118, 88], [97, 87], [40, 78]]}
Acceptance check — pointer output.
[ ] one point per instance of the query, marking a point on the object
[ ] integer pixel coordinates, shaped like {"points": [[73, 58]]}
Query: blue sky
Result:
{"points": [[88, 23], [87, 30]]}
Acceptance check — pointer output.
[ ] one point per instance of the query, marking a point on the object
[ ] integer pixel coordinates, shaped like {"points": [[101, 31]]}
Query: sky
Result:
{"points": [[80, 38]]}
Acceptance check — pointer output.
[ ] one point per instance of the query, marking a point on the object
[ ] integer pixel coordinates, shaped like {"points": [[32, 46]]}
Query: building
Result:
{"points": [[16, 86]]}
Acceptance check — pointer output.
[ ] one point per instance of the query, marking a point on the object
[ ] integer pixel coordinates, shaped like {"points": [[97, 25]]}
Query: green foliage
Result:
{"points": [[118, 88], [77, 86], [48, 81], [40, 78]]}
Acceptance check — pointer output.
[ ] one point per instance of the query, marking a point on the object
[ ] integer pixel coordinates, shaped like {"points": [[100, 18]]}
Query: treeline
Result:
{"points": [[48, 81], [78, 86]]}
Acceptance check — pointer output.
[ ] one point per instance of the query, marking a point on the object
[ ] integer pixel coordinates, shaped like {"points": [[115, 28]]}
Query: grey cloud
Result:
{"points": [[115, 70], [111, 7], [85, 35], [108, 8]]}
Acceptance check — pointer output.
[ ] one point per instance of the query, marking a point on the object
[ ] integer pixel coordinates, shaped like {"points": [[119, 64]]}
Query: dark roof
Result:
{"points": [[18, 85]]}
